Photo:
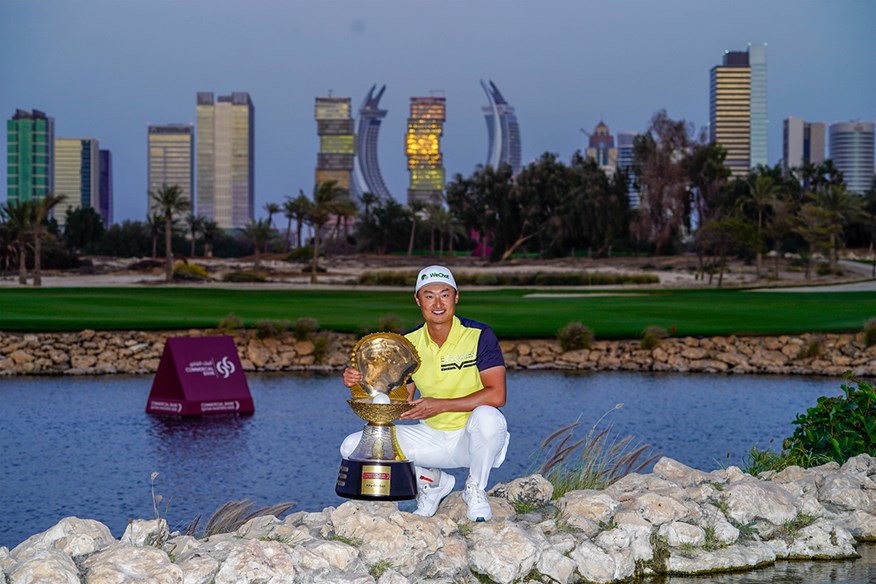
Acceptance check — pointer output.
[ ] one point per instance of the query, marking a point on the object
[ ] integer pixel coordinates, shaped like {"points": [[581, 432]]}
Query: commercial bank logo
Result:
{"points": [[211, 368], [225, 367]]}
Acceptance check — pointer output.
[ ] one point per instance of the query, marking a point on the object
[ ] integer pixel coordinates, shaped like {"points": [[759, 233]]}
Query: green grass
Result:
{"points": [[510, 312]]}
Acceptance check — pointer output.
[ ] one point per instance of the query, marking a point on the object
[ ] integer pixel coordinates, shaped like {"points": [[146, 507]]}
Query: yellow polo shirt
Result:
{"points": [[453, 369]]}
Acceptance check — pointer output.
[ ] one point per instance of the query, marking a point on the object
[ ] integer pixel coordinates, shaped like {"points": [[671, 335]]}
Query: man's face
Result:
{"points": [[437, 302]]}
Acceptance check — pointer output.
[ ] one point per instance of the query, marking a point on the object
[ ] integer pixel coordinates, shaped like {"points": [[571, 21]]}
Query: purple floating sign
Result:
{"points": [[199, 375]]}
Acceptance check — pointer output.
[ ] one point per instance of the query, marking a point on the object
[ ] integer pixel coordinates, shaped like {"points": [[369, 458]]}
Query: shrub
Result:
{"points": [[243, 277], [271, 329], [300, 254], [390, 323], [320, 348], [812, 349], [386, 279], [190, 272], [304, 327], [230, 323], [574, 336], [652, 336], [870, 332], [758, 461], [837, 428]]}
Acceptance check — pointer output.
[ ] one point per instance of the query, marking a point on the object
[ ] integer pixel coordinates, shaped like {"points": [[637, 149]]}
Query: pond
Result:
{"points": [[85, 447]]}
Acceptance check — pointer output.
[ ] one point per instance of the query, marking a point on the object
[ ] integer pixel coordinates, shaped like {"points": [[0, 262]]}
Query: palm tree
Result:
{"points": [[170, 201], [368, 199], [296, 209], [259, 233], [209, 228], [196, 225], [761, 193], [416, 207], [271, 209], [155, 223], [41, 209], [328, 197], [19, 214], [837, 207], [345, 210]]}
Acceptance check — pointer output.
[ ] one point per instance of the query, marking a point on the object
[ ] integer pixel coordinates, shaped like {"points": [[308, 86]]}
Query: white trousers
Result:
{"points": [[480, 446]]}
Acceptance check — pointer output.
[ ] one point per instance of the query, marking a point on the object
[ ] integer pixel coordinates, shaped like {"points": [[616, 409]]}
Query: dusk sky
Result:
{"points": [[106, 68]]}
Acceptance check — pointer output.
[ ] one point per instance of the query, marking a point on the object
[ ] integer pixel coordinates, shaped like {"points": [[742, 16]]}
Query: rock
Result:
{"points": [[749, 499], [848, 492], [72, 536], [738, 557], [593, 563], [678, 533], [587, 509], [821, 540], [127, 563], [658, 509], [140, 532], [678, 473], [20, 356], [44, 566], [503, 551], [257, 561], [534, 490]]}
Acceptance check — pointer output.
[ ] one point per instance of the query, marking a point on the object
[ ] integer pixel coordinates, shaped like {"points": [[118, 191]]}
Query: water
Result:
{"points": [[85, 447]]}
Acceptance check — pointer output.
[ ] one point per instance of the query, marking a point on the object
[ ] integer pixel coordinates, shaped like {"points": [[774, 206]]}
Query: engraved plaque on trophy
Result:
{"points": [[377, 469]]}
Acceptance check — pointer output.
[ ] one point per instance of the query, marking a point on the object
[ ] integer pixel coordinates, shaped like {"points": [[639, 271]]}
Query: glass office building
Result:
{"points": [[226, 159], [170, 160], [802, 142], [851, 149], [730, 110], [30, 152], [423, 149], [625, 158], [757, 61], [77, 175]]}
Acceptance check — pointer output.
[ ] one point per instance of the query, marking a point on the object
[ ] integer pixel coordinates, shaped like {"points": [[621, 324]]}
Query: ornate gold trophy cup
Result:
{"points": [[377, 469]]}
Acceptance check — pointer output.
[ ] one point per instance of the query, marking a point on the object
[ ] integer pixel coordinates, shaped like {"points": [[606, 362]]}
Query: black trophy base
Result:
{"points": [[377, 480]]}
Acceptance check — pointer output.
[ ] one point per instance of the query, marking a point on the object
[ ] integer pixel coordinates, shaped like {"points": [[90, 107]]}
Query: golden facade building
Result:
{"points": [[423, 149], [170, 160], [77, 175]]}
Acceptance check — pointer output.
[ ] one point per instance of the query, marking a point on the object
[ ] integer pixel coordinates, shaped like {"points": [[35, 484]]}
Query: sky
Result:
{"points": [[107, 68]]}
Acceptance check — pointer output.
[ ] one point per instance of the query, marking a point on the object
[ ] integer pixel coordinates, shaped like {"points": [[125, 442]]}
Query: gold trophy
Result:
{"points": [[377, 469]]}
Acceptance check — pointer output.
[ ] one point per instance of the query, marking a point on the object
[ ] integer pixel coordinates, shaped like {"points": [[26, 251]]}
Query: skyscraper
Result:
{"points": [[625, 157], [600, 148], [852, 149], [802, 142], [105, 188], [423, 149], [503, 130], [30, 154], [366, 169], [170, 160], [77, 165], [737, 108], [337, 143], [226, 162]]}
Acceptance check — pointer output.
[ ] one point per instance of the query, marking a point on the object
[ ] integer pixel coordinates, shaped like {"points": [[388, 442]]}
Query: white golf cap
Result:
{"points": [[434, 275]]}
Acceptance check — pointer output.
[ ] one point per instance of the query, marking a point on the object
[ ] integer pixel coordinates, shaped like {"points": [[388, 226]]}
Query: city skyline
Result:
{"points": [[650, 58]]}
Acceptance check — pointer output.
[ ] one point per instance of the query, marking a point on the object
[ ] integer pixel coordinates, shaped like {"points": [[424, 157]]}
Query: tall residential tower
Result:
{"points": [[225, 159], [337, 145], [423, 149], [503, 130], [366, 169], [737, 108], [170, 158], [30, 154]]}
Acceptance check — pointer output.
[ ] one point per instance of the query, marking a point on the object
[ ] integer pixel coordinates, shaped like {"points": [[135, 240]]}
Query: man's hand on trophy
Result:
{"points": [[352, 377], [424, 407]]}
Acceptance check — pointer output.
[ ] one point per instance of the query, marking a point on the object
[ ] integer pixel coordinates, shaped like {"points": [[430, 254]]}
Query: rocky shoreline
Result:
{"points": [[675, 520], [132, 352]]}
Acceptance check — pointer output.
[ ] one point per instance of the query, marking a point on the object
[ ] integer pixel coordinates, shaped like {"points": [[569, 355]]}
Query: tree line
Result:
{"points": [[688, 202]]}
